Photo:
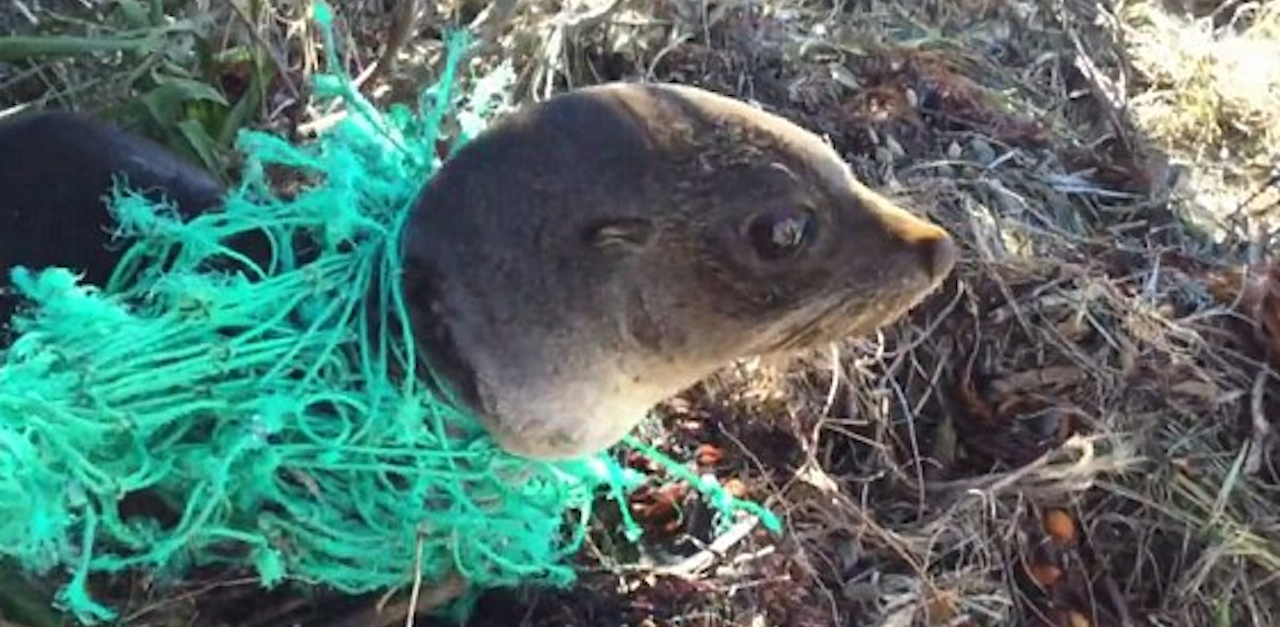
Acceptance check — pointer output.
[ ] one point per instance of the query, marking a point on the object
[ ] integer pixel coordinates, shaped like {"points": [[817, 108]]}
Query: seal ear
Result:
{"points": [[620, 234]]}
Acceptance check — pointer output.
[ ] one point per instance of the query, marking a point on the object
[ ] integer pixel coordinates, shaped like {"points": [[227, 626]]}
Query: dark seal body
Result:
{"points": [[56, 172], [579, 262]]}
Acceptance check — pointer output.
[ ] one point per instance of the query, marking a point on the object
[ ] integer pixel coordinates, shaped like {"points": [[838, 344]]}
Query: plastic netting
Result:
{"points": [[261, 404]]}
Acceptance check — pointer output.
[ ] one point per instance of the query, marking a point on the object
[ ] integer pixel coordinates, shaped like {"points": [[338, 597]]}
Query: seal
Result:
{"points": [[56, 171], [579, 262], [590, 256]]}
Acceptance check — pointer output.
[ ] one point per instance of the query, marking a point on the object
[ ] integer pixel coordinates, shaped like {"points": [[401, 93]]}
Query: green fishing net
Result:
{"points": [[262, 405]]}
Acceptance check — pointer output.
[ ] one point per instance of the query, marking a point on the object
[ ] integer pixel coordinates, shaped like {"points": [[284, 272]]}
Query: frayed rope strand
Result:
{"points": [[262, 403]]}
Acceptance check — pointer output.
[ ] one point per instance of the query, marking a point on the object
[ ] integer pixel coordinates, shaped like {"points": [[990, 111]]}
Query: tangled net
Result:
{"points": [[262, 406]]}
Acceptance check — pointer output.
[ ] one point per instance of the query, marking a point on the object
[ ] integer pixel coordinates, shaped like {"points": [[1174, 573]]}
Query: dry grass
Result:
{"points": [[1208, 91], [1078, 429]]}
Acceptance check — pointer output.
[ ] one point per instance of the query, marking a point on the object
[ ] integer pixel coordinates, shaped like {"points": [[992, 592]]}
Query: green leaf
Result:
{"points": [[134, 14], [167, 101], [201, 143], [17, 48], [242, 113]]}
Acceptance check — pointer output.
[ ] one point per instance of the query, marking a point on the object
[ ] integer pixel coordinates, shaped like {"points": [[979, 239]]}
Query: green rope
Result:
{"points": [[261, 404]]}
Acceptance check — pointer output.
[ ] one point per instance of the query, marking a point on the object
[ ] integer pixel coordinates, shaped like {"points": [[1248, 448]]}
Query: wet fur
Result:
{"points": [[561, 286], [570, 268], [56, 169], [582, 260]]}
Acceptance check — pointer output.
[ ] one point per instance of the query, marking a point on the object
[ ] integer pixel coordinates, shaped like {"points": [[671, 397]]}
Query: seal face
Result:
{"points": [[594, 254]]}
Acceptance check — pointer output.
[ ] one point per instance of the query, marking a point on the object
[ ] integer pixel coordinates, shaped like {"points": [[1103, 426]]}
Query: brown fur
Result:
{"points": [[590, 256]]}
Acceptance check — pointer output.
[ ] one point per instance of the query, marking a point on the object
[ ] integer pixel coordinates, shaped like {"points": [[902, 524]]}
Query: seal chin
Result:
{"points": [[560, 442]]}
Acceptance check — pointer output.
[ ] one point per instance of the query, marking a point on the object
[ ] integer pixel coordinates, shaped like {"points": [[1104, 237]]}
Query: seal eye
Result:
{"points": [[780, 233]]}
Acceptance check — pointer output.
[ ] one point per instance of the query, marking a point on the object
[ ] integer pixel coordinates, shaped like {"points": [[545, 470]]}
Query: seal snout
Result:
{"points": [[939, 254], [930, 243]]}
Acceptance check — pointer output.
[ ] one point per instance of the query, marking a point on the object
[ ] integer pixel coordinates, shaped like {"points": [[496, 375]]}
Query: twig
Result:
{"points": [[697, 563], [1257, 445], [281, 67], [404, 19], [416, 592], [487, 24]]}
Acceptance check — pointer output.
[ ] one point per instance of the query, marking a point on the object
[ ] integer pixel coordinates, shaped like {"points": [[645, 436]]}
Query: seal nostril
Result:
{"points": [[939, 256]]}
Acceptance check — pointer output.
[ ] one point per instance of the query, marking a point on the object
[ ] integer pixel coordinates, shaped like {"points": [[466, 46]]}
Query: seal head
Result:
{"points": [[594, 254]]}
